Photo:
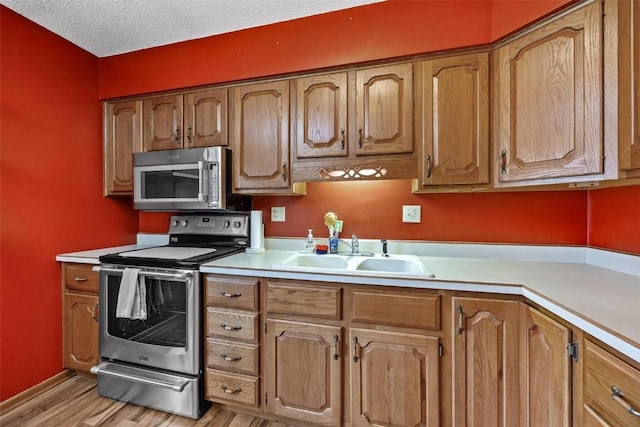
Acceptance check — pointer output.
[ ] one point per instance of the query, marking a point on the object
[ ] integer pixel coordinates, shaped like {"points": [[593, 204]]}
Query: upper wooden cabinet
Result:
{"points": [[260, 138], [548, 108], [629, 87], [192, 119], [354, 124], [452, 120], [122, 137]]}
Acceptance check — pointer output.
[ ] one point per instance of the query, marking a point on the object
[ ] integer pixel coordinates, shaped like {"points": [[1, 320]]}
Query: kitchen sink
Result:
{"points": [[392, 266]]}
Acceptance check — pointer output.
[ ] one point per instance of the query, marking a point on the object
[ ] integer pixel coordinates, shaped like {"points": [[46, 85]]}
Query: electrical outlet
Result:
{"points": [[277, 214], [411, 213]]}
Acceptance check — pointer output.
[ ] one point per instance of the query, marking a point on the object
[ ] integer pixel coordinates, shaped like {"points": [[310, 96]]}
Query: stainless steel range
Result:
{"points": [[151, 314]]}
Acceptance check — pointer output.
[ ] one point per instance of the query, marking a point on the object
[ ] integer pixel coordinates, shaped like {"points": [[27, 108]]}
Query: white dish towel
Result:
{"points": [[132, 296]]}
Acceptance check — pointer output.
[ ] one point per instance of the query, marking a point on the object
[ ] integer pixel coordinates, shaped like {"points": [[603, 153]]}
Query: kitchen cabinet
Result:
{"points": [[260, 139], [611, 389], [354, 124], [628, 20], [485, 362], [452, 120], [546, 371], [80, 317], [548, 102], [232, 347], [122, 138], [186, 120]]}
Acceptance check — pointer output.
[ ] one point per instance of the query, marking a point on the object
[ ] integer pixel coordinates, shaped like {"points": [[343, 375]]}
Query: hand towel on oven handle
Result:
{"points": [[132, 296]]}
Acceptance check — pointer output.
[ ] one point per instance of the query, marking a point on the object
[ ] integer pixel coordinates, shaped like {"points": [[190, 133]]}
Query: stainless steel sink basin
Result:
{"points": [[392, 266]]}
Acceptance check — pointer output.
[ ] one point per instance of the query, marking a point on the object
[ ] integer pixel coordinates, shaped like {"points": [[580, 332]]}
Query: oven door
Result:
{"points": [[169, 335]]}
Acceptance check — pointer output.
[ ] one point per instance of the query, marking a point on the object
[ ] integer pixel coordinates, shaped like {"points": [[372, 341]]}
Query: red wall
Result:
{"points": [[51, 186], [614, 219]]}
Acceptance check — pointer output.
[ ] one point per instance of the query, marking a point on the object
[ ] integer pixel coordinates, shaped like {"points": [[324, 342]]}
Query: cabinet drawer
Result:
{"points": [[604, 371], [234, 388], [304, 300], [396, 309], [232, 292], [232, 324], [233, 356], [81, 277]]}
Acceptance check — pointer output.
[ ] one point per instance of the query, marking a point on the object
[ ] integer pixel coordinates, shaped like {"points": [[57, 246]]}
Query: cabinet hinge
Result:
{"points": [[572, 350], [440, 350]]}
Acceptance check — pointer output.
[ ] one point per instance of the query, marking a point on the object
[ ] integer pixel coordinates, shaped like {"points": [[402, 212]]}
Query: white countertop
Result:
{"points": [[597, 291]]}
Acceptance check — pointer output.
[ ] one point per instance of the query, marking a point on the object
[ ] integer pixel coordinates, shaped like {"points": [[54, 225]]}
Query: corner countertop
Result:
{"points": [[597, 291]]}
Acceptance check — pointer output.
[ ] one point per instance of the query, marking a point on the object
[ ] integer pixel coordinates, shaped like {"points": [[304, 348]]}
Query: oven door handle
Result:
{"points": [[102, 369], [178, 276]]}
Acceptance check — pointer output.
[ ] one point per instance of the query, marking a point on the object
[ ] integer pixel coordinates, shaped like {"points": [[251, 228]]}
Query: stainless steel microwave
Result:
{"points": [[192, 179]]}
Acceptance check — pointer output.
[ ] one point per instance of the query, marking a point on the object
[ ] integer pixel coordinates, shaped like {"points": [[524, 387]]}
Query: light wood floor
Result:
{"points": [[75, 402]]}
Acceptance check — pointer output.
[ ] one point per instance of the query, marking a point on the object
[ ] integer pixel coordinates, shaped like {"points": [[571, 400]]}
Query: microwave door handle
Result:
{"points": [[201, 181]]}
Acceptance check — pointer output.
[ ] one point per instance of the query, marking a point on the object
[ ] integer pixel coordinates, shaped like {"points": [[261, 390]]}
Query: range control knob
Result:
{"points": [[175, 223], [236, 224], [185, 223], [226, 224]]}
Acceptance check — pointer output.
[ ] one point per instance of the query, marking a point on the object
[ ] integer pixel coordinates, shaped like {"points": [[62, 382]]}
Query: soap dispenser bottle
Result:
{"points": [[310, 243]]}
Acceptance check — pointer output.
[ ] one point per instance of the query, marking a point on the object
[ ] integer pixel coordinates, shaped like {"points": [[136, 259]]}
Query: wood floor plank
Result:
{"points": [[76, 403]]}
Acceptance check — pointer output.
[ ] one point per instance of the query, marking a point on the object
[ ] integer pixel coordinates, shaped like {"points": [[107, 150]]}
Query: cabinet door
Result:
{"points": [[545, 370], [80, 331], [394, 379], [455, 120], [384, 110], [123, 137], [320, 116], [205, 118], [549, 106], [629, 87], [485, 365], [303, 377], [162, 122], [260, 136]]}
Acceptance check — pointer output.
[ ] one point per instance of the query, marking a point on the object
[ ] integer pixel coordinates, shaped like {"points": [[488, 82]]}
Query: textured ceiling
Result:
{"points": [[110, 27]]}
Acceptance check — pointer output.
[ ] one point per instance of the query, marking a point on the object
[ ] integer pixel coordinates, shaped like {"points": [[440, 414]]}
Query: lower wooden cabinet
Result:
{"points": [[80, 349], [394, 379], [303, 375]]}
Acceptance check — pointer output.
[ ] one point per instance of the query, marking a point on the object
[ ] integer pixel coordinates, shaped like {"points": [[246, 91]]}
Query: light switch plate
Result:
{"points": [[411, 213], [277, 214]]}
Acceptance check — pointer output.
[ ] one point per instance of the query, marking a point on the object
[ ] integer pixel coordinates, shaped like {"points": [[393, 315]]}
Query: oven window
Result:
{"points": [[165, 322], [171, 184]]}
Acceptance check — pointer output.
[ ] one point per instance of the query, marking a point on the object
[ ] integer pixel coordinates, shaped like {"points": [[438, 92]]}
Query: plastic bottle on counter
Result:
{"points": [[310, 243]]}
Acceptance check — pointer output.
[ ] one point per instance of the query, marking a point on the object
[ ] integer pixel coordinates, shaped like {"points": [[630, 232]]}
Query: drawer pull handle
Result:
{"points": [[230, 390], [94, 312], [460, 320], [335, 347], [80, 279], [619, 397], [355, 349], [231, 358], [228, 295], [230, 328]]}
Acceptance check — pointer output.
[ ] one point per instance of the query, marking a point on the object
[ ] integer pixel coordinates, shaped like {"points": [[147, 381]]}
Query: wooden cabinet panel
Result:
{"points": [[603, 372], [122, 138], [232, 324], [304, 300], [232, 388], [384, 110], [81, 277], [233, 356], [260, 136], [549, 100], [303, 377], [232, 292], [320, 105], [80, 331], [486, 365], [395, 379], [628, 20], [396, 309], [162, 122], [453, 119], [205, 118], [545, 370]]}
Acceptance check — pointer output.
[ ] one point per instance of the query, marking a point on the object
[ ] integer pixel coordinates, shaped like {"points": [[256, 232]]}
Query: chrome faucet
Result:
{"points": [[355, 245], [384, 248]]}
